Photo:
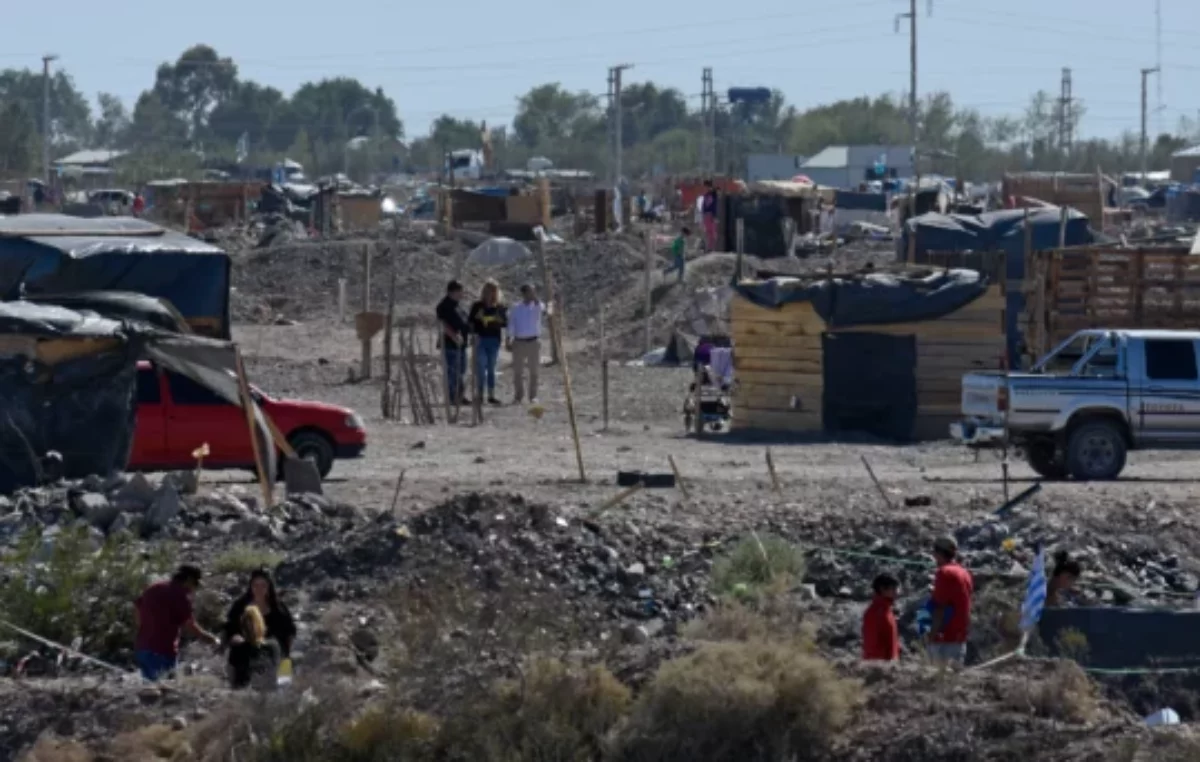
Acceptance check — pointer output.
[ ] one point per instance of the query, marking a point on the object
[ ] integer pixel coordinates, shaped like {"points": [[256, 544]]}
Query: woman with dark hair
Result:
{"points": [[261, 594], [1067, 572]]}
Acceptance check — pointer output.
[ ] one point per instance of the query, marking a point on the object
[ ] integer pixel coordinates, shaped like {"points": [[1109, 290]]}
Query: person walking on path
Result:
{"points": [[679, 253], [525, 342], [161, 613], [951, 605], [455, 330], [881, 635], [488, 319]]}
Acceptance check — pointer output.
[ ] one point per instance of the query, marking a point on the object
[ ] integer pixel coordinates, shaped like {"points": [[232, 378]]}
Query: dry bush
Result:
{"points": [[1066, 694], [772, 618], [289, 726], [554, 712], [49, 749], [1177, 744], [152, 743], [243, 559], [383, 733], [755, 566], [740, 702], [1072, 644]]}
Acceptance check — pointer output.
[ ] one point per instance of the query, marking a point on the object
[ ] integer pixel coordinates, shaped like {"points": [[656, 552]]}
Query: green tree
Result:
{"points": [[194, 85], [550, 117], [263, 114], [336, 110], [70, 114], [112, 123], [18, 137]]}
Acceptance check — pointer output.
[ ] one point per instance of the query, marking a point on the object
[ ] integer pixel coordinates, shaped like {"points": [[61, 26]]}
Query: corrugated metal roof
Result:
{"points": [[829, 157], [91, 156], [1193, 151]]}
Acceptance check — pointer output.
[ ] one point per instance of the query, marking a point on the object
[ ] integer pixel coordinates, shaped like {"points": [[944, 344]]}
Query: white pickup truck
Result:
{"points": [[1096, 396]]}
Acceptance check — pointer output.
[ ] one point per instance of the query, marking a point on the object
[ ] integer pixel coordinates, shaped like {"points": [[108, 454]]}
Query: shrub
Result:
{"points": [[243, 559], [69, 588], [740, 702], [757, 564], [552, 713], [1066, 694], [386, 733], [770, 618], [1072, 644]]}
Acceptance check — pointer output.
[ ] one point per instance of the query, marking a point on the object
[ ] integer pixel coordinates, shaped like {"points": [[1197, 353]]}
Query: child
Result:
{"points": [[678, 251], [881, 636]]}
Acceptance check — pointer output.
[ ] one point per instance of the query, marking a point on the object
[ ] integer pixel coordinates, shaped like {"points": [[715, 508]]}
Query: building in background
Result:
{"points": [[773, 166], [848, 166]]}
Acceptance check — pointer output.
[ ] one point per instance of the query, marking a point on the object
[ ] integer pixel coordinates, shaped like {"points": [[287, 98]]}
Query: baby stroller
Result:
{"points": [[710, 399]]}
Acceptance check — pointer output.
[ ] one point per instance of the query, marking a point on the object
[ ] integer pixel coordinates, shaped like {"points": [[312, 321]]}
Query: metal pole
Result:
{"points": [[618, 115], [912, 75], [1145, 73], [46, 59]]}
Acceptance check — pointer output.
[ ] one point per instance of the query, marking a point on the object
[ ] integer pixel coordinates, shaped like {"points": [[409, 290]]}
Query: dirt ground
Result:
{"points": [[1129, 532]]}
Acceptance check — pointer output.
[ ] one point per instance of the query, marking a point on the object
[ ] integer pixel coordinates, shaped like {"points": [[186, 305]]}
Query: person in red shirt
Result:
{"points": [[139, 205], [951, 605], [163, 611], [881, 636]]}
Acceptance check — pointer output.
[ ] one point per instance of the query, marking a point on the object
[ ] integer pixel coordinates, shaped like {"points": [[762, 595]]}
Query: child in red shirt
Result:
{"points": [[952, 592], [881, 636]]}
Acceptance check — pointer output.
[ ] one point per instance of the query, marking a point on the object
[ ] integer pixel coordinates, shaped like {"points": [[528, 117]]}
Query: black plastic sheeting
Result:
{"points": [[119, 306], [870, 384], [995, 231], [876, 299], [762, 223], [84, 409], [1120, 638]]}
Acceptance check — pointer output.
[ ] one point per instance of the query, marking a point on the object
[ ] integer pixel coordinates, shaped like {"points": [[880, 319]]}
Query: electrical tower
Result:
{"points": [[1066, 121]]}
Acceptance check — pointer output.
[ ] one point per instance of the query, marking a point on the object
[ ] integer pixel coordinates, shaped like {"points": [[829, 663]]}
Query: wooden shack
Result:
{"points": [[796, 373], [1089, 193]]}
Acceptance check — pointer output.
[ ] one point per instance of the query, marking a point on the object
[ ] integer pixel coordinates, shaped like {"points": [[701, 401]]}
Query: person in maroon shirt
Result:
{"points": [[163, 611], [881, 636], [951, 604]]}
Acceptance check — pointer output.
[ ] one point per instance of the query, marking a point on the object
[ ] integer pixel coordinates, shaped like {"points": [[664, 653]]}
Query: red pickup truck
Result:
{"points": [[175, 416]]}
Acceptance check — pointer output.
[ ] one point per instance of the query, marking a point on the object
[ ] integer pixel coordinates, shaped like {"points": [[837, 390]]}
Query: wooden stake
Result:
{"points": [[387, 346], [740, 243], [774, 476], [556, 336], [248, 407], [366, 307], [603, 370], [649, 306], [476, 383], [396, 494], [617, 499], [698, 421], [678, 477], [441, 350], [882, 492]]}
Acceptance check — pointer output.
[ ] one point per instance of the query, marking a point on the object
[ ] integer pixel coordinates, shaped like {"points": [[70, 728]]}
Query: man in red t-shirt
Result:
{"points": [[881, 636], [951, 604], [163, 611]]}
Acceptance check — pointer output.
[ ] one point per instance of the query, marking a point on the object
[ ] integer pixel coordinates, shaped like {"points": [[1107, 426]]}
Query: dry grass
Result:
{"points": [[243, 559], [771, 618], [49, 749], [740, 702], [757, 565], [152, 743], [1066, 694]]}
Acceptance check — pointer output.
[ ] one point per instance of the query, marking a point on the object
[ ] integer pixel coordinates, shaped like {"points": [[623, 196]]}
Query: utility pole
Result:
{"points": [[707, 106], [913, 127], [611, 128], [615, 73], [46, 59], [1065, 119], [1145, 73]]}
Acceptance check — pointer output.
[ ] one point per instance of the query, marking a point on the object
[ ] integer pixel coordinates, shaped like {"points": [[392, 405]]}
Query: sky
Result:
{"points": [[472, 59]]}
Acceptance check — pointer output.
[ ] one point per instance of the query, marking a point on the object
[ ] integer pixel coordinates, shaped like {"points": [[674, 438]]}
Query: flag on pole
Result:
{"points": [[1035, 594]]}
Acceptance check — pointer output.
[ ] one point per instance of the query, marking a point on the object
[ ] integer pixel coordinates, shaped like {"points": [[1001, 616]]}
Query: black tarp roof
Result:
{"points": [[78, 238], [51, 320]]}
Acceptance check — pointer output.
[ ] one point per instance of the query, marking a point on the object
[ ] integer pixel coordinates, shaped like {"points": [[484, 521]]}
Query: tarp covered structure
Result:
{"points": [[1123, 638], [57, 254], [874, 299], [68, 384]]}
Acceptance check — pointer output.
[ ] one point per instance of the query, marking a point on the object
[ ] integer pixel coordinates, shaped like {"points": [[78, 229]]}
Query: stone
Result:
{"points": [[300, 477], [136, 496], [366, 643], [124, 522], [179, 722], [186, 482], [163, 510], [97, 510], [807, 592], [635, 572]]}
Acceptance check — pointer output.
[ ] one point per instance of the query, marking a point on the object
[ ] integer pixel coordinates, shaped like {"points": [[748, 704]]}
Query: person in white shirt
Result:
{"points": [[525, 342]]}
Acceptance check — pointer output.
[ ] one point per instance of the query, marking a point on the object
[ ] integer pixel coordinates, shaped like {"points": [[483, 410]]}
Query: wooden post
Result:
{"points": [[1064, 215], [771, 469], [441, 350], [248, 407], [557, 338], [911, 258], [476, 383], [678, 477], [649, 304], [387, 346], [603, 369], [741, 246], [698, 422], [366, 307]]}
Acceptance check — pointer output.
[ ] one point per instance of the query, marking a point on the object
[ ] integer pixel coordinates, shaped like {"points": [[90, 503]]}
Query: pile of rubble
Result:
{"points": [[173, 508]]}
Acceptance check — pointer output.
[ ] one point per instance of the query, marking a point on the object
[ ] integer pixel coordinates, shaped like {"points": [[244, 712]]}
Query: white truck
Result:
{"points": [[1096, 396]]}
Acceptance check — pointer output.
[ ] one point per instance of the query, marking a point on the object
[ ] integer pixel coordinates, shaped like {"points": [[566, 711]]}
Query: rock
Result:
{"points": [[635, 572], [179, 722], [136, 496], [97, 510], [124, 522], [163, 510], [186, 482], [366, 642], [638, 634], [807, 592], [250, 528], [301, 477]]}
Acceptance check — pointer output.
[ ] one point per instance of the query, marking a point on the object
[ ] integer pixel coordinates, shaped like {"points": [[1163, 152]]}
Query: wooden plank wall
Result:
{"points": [[1110, 288], [779, 368]]}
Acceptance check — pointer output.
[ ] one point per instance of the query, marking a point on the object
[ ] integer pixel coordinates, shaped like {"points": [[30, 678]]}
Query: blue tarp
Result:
{"points": [[57, 254], [997, 231]]}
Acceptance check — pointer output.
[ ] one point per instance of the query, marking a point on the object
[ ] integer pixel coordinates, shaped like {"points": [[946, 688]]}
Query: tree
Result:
{"points": [[70, 114], [113, 122], [649, 112], [18, 137], [336, 110], [548, 115], [194, 85], [155, 125], [263, 114]]}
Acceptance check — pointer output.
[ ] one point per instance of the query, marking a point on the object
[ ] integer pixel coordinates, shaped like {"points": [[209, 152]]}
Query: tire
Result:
{"points": [[1096, 451], [1045, 459], [315, 447]]}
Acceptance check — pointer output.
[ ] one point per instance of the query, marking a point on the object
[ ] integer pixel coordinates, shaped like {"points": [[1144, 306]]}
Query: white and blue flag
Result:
{"points": [[1035, 594]]}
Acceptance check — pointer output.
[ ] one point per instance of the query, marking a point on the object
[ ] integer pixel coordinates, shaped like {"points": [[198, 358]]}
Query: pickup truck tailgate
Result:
{"points": [[981, 395]]}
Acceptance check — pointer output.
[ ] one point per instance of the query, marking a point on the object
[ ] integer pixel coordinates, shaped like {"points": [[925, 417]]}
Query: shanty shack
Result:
{"points": [[876, 353], [43, 254]]}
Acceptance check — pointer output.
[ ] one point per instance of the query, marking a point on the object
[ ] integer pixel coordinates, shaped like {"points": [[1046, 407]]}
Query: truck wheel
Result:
{"points": [[1045, 459], [1096, 451], [312, 446]]}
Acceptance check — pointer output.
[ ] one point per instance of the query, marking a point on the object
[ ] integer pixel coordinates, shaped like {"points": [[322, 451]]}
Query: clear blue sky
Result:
{"points": [[442, 57]]}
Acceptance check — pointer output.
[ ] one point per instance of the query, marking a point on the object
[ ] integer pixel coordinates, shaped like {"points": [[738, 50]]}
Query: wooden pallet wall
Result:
{"points": [[779, 368], [1074, 289]]}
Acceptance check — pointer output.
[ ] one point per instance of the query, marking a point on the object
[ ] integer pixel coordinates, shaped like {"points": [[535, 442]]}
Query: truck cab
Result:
{"points": [[1088, 402]]}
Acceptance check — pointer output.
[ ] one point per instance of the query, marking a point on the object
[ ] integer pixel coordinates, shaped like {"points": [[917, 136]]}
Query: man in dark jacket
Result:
{"points": [[455, 329]]}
